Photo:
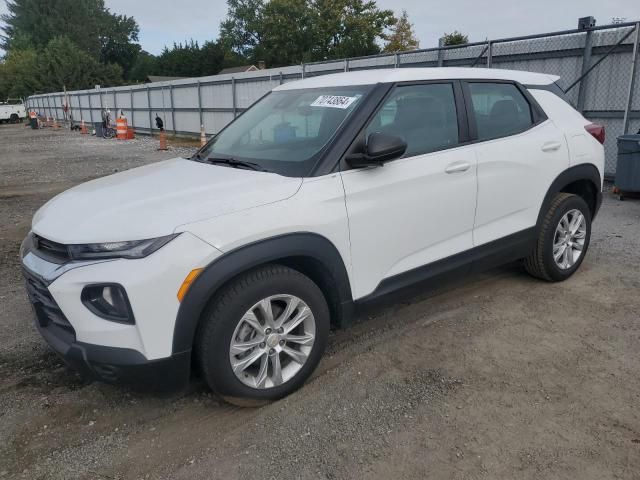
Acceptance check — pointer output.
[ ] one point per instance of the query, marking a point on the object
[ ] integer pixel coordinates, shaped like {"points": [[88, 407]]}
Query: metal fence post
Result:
{"points": [[149, 108], [441, 52], [586, 63], [115, 102], [90, 108], [346, 64], [131, 105], [280, 78], [200, 104], [173, 110], [632, 81], [489, 53], [164, 108], [233, 96], [303, 70], [396, 60]]}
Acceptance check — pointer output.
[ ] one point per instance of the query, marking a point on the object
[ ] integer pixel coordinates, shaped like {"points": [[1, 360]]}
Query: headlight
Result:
{"points": [[132, 249]]}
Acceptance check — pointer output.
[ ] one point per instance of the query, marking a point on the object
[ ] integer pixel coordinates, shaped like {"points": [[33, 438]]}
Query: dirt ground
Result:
{"points": [[498, 376]]}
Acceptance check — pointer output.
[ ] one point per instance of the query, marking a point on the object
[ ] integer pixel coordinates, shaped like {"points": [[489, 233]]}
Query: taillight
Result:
{"points": [[597, 131]]}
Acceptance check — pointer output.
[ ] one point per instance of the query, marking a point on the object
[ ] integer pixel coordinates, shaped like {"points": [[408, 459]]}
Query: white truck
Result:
{"points": [[12, 111]]}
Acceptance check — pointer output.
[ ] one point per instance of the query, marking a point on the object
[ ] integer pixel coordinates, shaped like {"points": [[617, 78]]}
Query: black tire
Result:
{"points": [[540, 262], [14, 118], [220, 319]]}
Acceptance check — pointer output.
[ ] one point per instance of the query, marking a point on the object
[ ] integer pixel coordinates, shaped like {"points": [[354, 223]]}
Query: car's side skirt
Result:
{"points": [[433, 275]]}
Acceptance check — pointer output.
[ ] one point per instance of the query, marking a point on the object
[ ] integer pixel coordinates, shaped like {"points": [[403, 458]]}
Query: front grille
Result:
{"points": [[47, 311], [50, 249]]}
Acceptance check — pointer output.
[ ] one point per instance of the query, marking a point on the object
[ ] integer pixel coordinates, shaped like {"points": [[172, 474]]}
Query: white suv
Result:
{"points": [[327, 193]]}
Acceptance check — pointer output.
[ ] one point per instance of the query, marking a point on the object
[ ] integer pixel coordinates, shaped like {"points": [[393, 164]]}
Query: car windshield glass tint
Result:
{"points": [[287, 130]]}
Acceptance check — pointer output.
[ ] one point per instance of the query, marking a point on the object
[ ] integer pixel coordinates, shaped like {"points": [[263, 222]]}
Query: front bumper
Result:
{"points": [[98, 362], [120, 365], [139, 355]]}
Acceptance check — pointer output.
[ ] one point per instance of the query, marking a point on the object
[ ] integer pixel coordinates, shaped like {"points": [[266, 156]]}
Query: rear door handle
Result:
{"points": [[457, 167], [551, 146]]}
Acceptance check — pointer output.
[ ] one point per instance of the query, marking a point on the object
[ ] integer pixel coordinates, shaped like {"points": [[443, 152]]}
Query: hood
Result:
{"points": [[151, 201]]}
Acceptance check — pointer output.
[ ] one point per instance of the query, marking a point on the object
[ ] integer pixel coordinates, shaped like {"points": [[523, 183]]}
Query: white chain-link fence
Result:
{"points": [[598, 67]]}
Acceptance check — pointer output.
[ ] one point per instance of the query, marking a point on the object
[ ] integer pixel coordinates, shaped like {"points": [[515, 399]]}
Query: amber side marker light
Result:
{"points": [[184, 288]]}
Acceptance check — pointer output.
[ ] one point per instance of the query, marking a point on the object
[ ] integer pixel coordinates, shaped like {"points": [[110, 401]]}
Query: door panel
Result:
{"points": [[408, 213], [517, 161], [420, 208], [514, 174]]}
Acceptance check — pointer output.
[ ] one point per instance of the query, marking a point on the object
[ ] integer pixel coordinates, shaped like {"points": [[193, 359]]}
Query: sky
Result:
{"points": [[163, 22]]}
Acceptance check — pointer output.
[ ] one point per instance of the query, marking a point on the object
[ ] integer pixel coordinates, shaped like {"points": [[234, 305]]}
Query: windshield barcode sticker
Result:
{"points": [[333, 101]]}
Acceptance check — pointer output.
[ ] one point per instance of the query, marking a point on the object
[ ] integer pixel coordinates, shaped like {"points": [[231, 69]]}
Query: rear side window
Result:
{"points": [[500, 110], [423, 115]]}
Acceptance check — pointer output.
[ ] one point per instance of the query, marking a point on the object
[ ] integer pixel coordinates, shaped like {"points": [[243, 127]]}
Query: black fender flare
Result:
{"points": [[584, 171], [249, 256]]}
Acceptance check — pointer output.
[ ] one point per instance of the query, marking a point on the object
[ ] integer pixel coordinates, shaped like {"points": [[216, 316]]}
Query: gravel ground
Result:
{"points": [[495, 376]]}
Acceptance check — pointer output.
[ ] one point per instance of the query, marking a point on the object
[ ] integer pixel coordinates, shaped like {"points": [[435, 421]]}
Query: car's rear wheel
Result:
{"points": [[563, 239], [263, 335], [14, 118]]}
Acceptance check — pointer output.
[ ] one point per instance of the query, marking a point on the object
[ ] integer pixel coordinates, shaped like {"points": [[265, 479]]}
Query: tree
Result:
{"points": [[350, 28], [19, 75], [454, 38], [188, 60], [285, 32], [145, 65], [43, 20], [242, 29], [88, 24], [402, 37], [61, 64], [117, 38]]}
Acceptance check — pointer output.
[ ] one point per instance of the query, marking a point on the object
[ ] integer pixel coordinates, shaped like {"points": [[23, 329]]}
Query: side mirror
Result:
{"points": [[381, 147]]}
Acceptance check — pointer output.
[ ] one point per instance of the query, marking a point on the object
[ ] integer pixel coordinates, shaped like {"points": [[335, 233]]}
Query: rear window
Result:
{"points": [[499, 109]]}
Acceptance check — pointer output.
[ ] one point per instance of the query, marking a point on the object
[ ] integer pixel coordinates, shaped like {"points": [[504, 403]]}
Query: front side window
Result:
{"points": [[286, 130], [423, 115], [500, 109]]}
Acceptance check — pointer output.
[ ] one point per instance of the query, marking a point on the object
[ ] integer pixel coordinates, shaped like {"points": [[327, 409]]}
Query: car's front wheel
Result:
{"points": [[263, 335], [563, 239]]}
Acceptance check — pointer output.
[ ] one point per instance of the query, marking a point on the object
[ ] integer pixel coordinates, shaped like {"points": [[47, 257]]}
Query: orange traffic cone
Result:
{"points": [[203, 137], [163, 141]]}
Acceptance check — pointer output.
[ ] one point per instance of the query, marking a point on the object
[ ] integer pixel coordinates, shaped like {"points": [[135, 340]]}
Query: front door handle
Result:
{"points": [[551, 146], [457, 167]]}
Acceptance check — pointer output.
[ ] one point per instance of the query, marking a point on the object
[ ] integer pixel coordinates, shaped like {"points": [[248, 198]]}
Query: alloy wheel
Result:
{"points": [[569, 239], [272, 341]]}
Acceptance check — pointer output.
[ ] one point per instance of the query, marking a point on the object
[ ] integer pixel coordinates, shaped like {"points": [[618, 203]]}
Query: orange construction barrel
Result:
{"points": [[131, 133], [121, 128]]}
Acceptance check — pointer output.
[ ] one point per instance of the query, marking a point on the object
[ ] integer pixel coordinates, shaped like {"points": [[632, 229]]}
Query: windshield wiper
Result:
{"points": [[232, 162]]}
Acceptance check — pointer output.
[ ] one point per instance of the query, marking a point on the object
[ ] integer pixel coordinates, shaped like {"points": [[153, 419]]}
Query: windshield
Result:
{"points": [[286, 131]]}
